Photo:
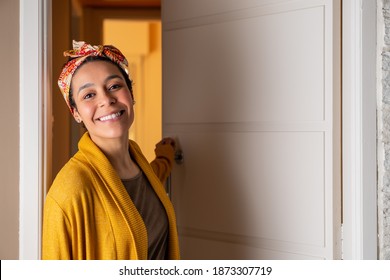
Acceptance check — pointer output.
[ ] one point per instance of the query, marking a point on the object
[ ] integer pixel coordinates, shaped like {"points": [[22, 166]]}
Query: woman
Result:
{"points": [[107, 202]]}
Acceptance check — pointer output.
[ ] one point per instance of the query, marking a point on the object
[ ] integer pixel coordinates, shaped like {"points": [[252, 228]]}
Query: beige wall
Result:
{"points": [[9, 140]]}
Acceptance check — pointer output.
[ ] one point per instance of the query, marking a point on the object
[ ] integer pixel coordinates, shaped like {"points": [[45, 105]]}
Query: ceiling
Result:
{"points": [[120, 3]]}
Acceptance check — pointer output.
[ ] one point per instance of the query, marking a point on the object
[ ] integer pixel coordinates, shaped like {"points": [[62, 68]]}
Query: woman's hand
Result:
{"points": [[167, 141], [165, 158]]}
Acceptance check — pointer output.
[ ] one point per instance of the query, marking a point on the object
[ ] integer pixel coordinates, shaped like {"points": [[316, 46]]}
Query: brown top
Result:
{"points": [[152, 212]]}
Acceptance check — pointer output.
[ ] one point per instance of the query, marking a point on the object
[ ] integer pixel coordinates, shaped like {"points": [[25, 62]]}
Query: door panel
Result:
{"points": [[282, 75], [259, 172], [253, 97]]}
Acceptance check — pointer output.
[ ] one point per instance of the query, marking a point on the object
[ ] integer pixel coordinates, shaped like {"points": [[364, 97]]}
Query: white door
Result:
{"points": [[251, 90]]}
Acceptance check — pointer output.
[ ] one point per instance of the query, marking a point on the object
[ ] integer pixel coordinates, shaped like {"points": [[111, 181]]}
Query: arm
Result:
{"points": [[163, 163]]}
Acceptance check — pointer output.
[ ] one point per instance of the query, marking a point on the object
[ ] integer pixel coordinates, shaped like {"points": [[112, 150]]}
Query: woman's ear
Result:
{"points": [[77, 116]]}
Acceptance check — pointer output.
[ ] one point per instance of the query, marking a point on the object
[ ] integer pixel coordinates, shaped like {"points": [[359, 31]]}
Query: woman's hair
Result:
{"points": [[128, 81]]}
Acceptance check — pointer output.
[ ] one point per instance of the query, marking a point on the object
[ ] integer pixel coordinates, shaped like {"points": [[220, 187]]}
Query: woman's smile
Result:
{"points": [[111, 117]]}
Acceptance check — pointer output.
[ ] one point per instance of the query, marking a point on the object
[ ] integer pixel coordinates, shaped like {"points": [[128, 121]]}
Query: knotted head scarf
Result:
{"points": [[80, 52]]}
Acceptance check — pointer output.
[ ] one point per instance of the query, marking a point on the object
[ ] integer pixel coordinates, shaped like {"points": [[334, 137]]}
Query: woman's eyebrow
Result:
{"points": [[84, 86], [114, 76]]}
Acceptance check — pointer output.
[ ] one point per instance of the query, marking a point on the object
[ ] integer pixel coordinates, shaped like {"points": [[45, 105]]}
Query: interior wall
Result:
{"points": [[153, 93], [61, 25], [9, 142]]}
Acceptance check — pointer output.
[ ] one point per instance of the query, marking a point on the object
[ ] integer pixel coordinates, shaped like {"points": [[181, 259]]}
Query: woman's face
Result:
{"points": [[103, 100]]}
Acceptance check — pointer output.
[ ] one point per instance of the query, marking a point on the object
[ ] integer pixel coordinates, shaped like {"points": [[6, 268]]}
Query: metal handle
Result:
{"points": [[179, 158], [168, 186]]}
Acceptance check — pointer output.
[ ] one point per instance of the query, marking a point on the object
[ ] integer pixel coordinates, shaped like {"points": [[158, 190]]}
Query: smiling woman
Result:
{"points": [[107, 202]]}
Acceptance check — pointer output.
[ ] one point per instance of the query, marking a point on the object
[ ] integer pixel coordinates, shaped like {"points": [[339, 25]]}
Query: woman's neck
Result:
{"points": [[117, 152]]}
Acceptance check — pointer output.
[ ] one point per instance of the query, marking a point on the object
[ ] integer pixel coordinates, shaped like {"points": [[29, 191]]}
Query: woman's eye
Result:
{"points": [[88, 95], [114, 87]]}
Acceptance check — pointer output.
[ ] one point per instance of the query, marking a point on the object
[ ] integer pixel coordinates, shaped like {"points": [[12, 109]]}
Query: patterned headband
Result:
{"points": [[80, 52]]}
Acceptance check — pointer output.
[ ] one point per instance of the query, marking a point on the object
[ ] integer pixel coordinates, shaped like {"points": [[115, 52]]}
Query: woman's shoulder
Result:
{"points": [[72, 181]]}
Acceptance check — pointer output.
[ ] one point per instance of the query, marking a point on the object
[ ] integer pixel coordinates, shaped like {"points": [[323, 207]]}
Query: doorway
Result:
{"points": [[352, 16]]}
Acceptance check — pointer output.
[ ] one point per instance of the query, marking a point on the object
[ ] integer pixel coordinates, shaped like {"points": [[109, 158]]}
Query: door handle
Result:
{"points": [[168, 189], [179, 158]]}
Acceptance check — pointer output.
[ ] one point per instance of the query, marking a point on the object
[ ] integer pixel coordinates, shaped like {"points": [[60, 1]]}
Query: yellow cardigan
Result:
{"points": [[88, 213]]}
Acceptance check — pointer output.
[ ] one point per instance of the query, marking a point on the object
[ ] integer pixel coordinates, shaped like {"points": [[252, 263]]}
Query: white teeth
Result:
{"points": [[110, 117]]}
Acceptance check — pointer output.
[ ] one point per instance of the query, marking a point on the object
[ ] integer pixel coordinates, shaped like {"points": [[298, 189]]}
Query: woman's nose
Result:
{"points": [[107, 99]]}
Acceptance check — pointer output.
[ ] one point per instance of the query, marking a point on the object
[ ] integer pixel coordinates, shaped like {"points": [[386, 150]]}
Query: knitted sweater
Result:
{"points": [[89, 215]]}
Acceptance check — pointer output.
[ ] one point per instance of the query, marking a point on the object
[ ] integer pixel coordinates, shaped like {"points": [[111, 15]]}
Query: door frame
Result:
{"points": [[359, 132], [35, 121], [358, 141]]}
